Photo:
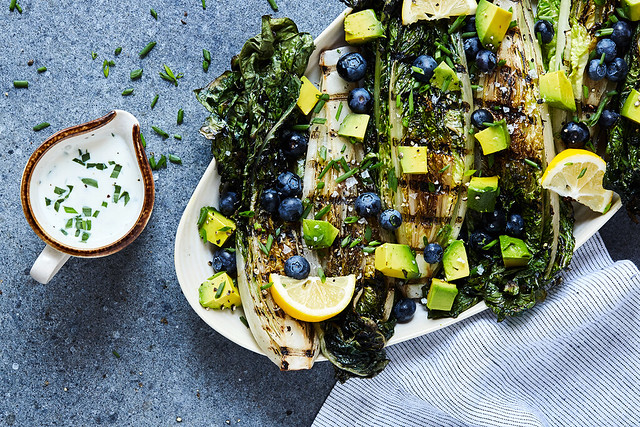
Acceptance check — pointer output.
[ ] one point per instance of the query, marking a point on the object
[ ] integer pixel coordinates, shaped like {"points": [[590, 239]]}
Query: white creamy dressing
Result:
{"points": [[87, 230]]}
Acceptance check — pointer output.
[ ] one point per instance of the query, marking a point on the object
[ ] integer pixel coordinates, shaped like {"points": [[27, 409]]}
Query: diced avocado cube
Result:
{"points": [[394, 260], [318, 234], [309, 95], [632, 9], [482, 193], [219, 292], [413, 160], [631, 107], [354, 126], [492, 23], [441, 74], [556, 90], [514, 251], [441, 295], [494, 138], [362, 27], [454, 261], [216, 227]]}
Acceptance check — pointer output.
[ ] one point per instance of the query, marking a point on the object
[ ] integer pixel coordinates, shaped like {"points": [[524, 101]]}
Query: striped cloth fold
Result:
{"points": [[574, 360]]}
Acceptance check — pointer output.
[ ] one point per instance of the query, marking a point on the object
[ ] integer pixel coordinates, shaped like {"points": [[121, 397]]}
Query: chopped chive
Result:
{"points": [[318, 121], [118, 51], [367, 233], [246, 214], [41, 126], [267, 286], [449, 63], [90, 181], [136, 74], [127, 92], [175, 159], [12, 5], [306, 203], [207, 55], [375, 243], [582, 172], [178, 137], [344, 164], [144, 141], [205, 65], [47, 201], [105, 68], [320, 186], [416, 70], [263, 248], [322, 99], [169, 75], [145, 51], [86, 211], [116, 171], [115, 353], [19, 8], [345, 241], [342, 150], [469, 34], [444, 169], [160, 132], [476, 87], [346, 175], [531, 163], [513, 24], [398, 101], [162, 163], [339, 111], [154, 14], [20, 84], [300, 127], [351, 219], [456, 24], [70, 210], [94, 55], [501, 63], [604, 32], [321, 275], [95, 214], [355, 242], [69, 223], [443, 48], [273, 5], [322, 212], [326, 169], [368, 249], [220, 289], [42, 69], [104, 204], [322, 153], [585, 91], [470, 172], [59, 190], [411, 102], [180, 116], [154, 101], [269, 242], [602, 58], [490, 244], [446, 83], [607, 208], [204, 7]]}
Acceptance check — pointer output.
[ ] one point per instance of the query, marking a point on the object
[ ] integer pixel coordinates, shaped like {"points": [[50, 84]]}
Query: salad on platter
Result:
{"points": [[433, 163]]}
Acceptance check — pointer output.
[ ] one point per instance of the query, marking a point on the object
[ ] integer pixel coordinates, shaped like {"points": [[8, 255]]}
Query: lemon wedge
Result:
{"points": [[310, 299], [578, 174], [430, 10]]}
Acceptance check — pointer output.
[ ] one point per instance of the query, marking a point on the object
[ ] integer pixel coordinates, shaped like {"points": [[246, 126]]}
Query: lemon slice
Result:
{"points": [[430, 10], [311, 300], [578, 174]]}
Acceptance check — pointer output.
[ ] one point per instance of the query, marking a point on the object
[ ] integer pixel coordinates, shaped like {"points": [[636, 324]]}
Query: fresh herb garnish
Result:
{"points": [[351, 219], [135, 74], [127, 92], [90, 181], [322, 212], [180, 116], [154, 14], [168, 75], [273, 5], [20, 84], [42, 69], [145, 51], [160, 132], [70, 210], [175, 159], [116, 171]]}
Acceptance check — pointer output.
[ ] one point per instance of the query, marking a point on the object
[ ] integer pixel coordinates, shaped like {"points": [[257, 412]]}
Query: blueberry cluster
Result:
{"points": [[485, 60], [494, 224], [608, 61], [352, 68]]}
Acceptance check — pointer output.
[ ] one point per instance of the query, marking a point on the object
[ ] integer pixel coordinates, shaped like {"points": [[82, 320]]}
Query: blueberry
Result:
{"points": [[608, 118], [486, 61], [545, 29], [297, 267], [481, 116], [617, 70], [470, 25], [288, 184], [472, 46], [294, 144], [574, 133], [621, 34], [351, 66], [229, 202], [608, 47], [390, 219], [404, 310], [290, 209], [433, 253], [270, 200], [427, 64], [478, 239], [515, 225], [368, 204], [495, 222], [223, 260], [596, 71], [360, 100]]}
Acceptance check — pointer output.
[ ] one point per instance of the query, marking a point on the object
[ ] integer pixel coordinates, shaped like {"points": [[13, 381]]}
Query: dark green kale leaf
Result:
{"points": [[354, 340], [623, 150]]}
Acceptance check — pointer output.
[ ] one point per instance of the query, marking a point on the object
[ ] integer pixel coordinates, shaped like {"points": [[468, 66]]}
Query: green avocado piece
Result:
{"points": [[362, 27], [441, 295], [454, 261], [216, 228], [494, 138], [556, 90], [354, 126], [441, 74], [631, 107], [632, 9], [482, 193], [413, 160], [514, 251], [211, 296], [492, 23], [318, 234], [395, 260]]}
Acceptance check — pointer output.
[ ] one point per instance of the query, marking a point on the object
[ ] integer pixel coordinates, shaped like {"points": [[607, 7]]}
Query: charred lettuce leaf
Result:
{"points": [[623, 150]]}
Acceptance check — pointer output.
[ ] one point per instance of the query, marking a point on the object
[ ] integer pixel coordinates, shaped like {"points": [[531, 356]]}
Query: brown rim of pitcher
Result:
{"points": [[147, 177]]}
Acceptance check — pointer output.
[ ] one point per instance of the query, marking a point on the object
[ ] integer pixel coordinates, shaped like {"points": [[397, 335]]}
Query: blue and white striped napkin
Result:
{"points": [[573, 360]]}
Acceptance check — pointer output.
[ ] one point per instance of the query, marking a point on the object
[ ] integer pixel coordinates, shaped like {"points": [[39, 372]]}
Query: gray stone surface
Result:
{"points": [[57, 341]]}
